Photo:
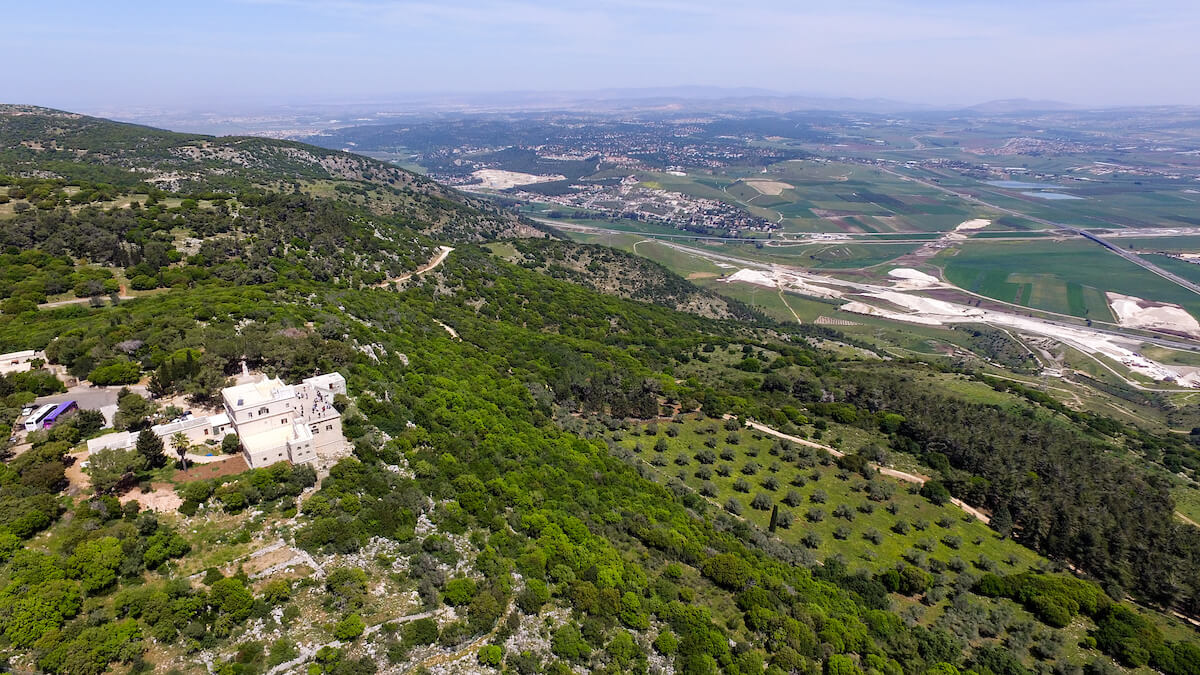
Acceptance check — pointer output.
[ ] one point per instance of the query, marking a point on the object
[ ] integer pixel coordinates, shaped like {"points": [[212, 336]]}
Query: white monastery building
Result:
{"points": [[275, 422], [293, 422]]}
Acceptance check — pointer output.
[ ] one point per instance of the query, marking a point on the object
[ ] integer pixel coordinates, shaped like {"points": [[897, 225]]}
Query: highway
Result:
{"points": [[1128, 255], [1172, 343]]}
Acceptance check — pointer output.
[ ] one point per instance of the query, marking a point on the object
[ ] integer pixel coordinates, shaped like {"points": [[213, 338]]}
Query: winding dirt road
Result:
{"points": [[443, 252], [886, 471]]}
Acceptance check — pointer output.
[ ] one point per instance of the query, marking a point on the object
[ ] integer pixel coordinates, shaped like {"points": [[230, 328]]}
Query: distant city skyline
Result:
{"points": [[247, 53]]}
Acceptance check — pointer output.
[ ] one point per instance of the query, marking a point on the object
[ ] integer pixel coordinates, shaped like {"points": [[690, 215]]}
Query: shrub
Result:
{"points": [[935, 492], [491, 656], [666, 643], [459, 591], [420, 632], [349, 628]]}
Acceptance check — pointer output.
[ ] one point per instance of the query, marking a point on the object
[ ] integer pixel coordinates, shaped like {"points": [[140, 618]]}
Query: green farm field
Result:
{"points": [[1068, 277], [826, 196]]}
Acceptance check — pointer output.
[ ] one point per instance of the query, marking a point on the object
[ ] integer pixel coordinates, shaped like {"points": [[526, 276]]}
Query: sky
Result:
{"points": [[85, 55]]}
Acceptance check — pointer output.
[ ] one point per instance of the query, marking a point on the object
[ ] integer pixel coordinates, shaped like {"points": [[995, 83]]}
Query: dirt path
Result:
{"points": [[453, 333], [795, 439], [1187, 520], [886, 471], [443, 252], [309, 651], [79, 301], [789, 307]]}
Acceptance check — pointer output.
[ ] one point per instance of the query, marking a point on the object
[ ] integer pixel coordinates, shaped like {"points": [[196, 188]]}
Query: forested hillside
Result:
{"points": [[546, 478], [616, 272], [104, 159]]}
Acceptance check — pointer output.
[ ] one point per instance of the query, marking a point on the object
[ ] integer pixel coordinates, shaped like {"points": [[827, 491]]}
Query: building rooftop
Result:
{"points": [[121, 439], [327, 381], [182, 425], [274, 438], [265, 390], [24, 354]]}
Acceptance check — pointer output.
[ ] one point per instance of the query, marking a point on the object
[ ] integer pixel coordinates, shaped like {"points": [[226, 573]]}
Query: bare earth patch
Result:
{"points": [[498, 179], [228, 467], [162, 500], [1138, 313], [974, 224], [769, 187]]}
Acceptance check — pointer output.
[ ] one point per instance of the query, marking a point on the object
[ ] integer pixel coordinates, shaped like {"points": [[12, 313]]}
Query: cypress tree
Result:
{"points": [[150, 446]]}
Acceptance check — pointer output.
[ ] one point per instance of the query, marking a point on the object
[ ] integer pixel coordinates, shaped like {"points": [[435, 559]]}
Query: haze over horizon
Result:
{"points": [[89, 56]]}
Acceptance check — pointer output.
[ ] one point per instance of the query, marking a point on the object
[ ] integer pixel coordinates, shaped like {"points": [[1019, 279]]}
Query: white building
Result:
{"points": [[278, 422], [19, 362], [198, 430], [121, 440]]}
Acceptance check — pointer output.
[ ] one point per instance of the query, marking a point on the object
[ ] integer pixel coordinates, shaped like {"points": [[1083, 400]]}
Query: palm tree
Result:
{"points": [[180, 442]]}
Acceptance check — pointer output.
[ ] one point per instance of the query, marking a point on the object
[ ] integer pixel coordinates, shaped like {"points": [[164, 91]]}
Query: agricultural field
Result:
{"points": [[819, 196], [833, 196], [1068, 277], [1112, 203], [1185, 269], [874, 523]]}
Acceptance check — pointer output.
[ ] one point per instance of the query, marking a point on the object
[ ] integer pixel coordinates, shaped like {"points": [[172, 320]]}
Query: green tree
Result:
{"points": [[491, 656], [567, 643], [459, 591], [150, 447], [841, 664], [95, 563], [420, 632], [935, 492], [349, 628], [114, 469], [229, 596], [180, 443]]}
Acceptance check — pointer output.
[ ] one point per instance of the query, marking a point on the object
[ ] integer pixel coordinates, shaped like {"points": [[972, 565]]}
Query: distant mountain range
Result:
{"points": [[288, 118]]}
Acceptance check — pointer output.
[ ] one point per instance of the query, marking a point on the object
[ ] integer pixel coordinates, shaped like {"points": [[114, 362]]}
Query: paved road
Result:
{"points": [[1174, 343], [1128, 255]]}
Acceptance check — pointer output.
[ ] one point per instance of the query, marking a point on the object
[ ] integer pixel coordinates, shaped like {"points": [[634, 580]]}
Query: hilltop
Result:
{"points": [[72, 148]]}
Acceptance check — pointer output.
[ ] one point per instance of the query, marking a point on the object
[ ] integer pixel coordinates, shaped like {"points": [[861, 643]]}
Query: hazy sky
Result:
{"points": [[84, 54]]}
